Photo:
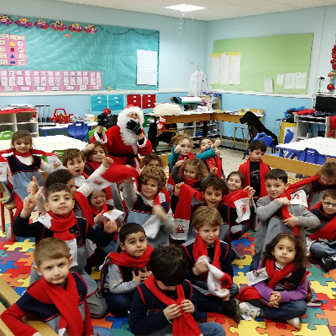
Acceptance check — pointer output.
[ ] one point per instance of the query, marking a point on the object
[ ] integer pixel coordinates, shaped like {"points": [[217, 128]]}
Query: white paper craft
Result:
{"points": [[55, 162], [256, 276], [300, 198], [147, 65], [243, 209], [280, 79], [3, 171]]}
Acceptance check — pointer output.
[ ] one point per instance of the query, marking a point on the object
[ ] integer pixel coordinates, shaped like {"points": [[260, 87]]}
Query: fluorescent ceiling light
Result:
{"points": [[185, 8]]}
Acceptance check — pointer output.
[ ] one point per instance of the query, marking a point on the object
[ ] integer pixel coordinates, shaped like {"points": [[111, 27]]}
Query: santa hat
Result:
{"points": [[217, 281], [129, 110], [116, 173]]}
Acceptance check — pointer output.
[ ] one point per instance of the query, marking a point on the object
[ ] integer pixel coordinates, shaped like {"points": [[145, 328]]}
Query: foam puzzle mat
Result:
{"points": [[16, 260]]}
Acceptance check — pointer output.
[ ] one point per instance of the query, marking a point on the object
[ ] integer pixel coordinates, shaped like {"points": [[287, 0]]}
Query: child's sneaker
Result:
{"points": [[295, 322], [248, 311], [328, 263]]}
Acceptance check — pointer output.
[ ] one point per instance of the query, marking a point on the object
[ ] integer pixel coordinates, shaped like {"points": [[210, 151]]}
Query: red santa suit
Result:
{"points": [[121, 143]]}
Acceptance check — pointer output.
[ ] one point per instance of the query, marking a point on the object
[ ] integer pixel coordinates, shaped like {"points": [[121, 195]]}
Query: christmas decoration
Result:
{"points": [[59, 25], [332, 73], [23, 22], [90, 28], [4, 19], [75, 27], [41, 23]]}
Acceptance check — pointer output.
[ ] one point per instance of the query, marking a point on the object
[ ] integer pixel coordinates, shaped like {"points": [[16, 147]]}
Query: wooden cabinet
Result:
{"points": [[19, 121]]}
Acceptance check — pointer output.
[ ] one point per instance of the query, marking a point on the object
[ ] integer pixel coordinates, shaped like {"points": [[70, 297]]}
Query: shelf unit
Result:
{"points": [[195, 128], [304, 124], [19, 121]]}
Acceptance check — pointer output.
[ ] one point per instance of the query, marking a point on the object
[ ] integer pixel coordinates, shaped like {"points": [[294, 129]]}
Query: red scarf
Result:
{"points": [[250, 293], [183, 207], [93, 165], [200, 248], [66, 301], [215, 162], [297, 185], [85, 207], [328, 231], [124, 259], [30, 152], [183, 325], [233, 197], [189, 182], [191, 155], [60, 226], [97, 212], [285, 213], [263, 170]]}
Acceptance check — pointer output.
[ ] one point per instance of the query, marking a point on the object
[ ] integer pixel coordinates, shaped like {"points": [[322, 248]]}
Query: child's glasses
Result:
{"points": [[328, 204]]}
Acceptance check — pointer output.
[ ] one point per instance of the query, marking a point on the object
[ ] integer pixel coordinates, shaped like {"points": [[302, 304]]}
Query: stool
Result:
{"points": [[242, 128]]}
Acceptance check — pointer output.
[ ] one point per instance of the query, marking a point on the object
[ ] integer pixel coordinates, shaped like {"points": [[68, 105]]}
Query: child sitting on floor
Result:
{"points": [[58, 298], [149, 206], [280, 284], [322, 239], [277, 214], [254, 169], [234, 181], [208, 145], [182, 150], [151, 160], [123, 272], [162, 305], [315, 185], [94, 154], [206, 222], [59, 221]]}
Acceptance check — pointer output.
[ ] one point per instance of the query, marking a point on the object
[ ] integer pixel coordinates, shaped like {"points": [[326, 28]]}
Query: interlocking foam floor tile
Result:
{"points": [[321, 330], [327, 289]]}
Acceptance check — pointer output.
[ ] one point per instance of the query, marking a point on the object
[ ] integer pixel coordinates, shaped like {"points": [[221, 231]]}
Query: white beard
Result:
{"points": [[128, 137]]}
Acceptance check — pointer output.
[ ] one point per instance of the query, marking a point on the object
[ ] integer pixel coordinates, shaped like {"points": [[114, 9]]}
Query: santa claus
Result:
{"points": [[126, 140]]}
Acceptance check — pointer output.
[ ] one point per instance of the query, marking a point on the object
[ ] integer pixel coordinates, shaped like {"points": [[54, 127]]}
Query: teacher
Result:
{"points": [[126, 140]]}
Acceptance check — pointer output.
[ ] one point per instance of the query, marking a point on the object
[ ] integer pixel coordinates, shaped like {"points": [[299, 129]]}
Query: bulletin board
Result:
{"points": [[266, 57], [111, 51]]}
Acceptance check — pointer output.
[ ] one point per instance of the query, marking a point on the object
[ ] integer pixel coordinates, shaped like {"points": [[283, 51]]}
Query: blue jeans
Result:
{"points": [[286, 310], [210, 303], [212, 329], [102, 331], [322, 249], [119, 304], [255, 261]]}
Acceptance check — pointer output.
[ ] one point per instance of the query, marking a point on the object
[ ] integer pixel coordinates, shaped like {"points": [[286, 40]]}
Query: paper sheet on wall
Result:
{"points": [[268, 85], [224, 68], [290, 80], [235, 60], [214, 68], [300, 80], [280, 79], [147, 67]]}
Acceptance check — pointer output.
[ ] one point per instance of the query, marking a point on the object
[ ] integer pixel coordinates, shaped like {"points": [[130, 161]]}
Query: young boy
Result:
{"points": [[162, 305], [323, 237], [207, 144], [255, 170], [206, 222], [277, 214], [123, 272], [58, 298], [60, 221]]}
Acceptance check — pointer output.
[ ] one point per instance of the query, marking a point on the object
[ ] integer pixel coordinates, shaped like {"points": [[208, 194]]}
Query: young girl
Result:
{"points": [[315, 185], [24, 164], [189, 171], [149, 206], [94, 154], [279, 287], [152, 160], [234, 181], [182, 150]]}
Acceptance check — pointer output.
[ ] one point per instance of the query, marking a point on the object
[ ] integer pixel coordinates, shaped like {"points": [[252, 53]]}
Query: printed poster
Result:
{"points": [[13, 50]]}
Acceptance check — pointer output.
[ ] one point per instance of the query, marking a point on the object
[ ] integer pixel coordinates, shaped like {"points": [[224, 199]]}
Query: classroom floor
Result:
{"points": [[16, 260]]}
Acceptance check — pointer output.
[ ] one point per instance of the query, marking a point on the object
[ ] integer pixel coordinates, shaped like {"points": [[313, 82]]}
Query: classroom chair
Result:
{"points": [[79, 130], [312, 156], [6, 135]]}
